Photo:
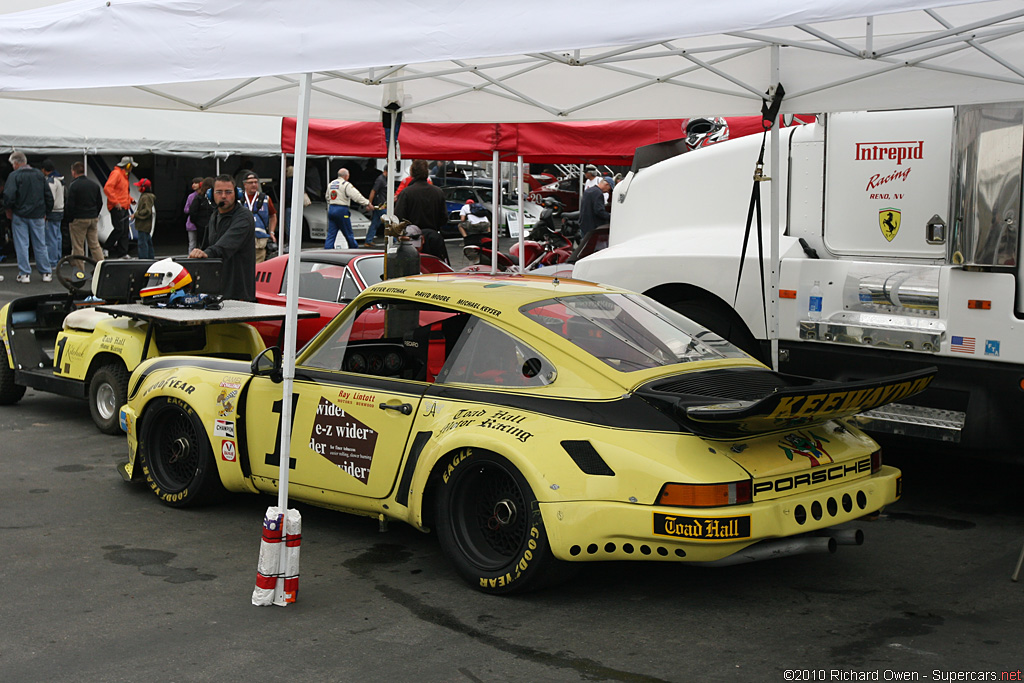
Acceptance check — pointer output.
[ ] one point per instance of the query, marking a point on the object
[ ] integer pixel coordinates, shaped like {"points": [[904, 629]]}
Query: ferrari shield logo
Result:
{"points": [[889, 222]]}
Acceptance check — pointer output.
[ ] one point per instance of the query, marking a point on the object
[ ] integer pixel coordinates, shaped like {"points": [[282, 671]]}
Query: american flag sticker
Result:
{"points": [[962, 344]]}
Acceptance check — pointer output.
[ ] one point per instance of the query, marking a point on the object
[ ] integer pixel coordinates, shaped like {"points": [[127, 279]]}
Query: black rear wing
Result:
{"points": [[777, 402]]}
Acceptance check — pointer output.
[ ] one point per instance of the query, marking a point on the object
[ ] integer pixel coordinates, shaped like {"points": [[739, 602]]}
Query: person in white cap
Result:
{"points": [[118, 202]]}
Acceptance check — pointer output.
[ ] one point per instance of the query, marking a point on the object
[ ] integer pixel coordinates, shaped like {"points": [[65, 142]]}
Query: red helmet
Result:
{"points": [[470, 201], [144, 185]]}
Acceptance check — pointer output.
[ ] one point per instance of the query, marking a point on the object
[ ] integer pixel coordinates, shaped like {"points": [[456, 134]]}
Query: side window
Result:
{"points": [[317, 281], [349, 288], [388, 338], [489, 356]]}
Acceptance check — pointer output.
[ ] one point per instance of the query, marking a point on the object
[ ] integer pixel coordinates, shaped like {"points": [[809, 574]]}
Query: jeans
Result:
{"points": [[53, 236], [371, 232], [339, 218], [34, 230], [191, 239], [146, 246]]}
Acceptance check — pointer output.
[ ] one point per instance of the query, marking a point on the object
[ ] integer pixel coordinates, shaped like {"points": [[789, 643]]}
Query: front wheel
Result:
{"points": [[108, 391], [175, 455], [10, 392], [489, 525]]}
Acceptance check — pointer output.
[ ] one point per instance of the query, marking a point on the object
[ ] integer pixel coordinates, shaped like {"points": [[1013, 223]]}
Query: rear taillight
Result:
{"points": [[706, 495], [876, 461]]}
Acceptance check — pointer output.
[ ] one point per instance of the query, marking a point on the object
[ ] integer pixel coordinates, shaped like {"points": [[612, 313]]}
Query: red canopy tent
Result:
{"points": [[597, 142]]}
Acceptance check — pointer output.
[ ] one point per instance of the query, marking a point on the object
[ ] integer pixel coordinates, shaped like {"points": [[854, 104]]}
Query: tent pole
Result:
{"points": [[773, 320], [292, 304], [522, 213], [216, 161], [85, 162], [391, 172], [495, 209], [285, 203]]}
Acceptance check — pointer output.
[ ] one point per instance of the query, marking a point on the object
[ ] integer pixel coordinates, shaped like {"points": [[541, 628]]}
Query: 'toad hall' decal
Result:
{"points": [[343, 440]]}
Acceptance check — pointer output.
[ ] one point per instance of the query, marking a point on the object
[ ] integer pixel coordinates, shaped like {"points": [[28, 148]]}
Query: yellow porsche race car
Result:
{"points": [[532, 424]]}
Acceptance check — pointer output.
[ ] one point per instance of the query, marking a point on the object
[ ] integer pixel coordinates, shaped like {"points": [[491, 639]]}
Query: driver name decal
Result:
{"points": [[342, 439]]}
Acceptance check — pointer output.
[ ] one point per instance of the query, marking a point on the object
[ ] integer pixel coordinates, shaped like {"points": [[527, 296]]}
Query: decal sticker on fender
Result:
{"points": [[342, 439], [224, 428], [702, 528], [226, 401], [227, 451]]}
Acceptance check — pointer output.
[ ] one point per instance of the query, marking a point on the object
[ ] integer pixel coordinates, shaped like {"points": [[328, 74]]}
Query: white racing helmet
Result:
{"points": [[704, 131], [165, 277]]}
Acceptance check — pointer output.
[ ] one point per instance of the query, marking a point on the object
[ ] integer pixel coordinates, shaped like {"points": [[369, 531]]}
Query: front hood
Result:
{"points": [[734, 403]]}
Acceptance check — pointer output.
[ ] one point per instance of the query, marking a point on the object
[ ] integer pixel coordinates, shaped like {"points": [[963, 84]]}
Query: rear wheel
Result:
{"points": [[10, 392], [108, 391], [490, 527], [175, 455]]}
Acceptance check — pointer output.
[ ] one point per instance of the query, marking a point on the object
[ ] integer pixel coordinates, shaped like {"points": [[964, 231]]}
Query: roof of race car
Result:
{"points": [[500, 292]]}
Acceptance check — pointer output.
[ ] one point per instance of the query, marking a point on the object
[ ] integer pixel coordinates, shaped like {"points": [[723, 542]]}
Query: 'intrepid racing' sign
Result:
{"points": [[890, 151]]}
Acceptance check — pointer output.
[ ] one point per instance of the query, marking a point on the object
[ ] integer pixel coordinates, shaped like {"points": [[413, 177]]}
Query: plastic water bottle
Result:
{"points": [[814, 302]]}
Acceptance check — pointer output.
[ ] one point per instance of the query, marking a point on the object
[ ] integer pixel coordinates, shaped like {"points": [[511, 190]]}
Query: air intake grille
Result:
{"points": [[587, 459], [724, 384]]}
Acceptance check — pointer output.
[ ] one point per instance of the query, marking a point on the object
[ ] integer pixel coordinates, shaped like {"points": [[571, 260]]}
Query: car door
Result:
{"points": [[354, 398]]}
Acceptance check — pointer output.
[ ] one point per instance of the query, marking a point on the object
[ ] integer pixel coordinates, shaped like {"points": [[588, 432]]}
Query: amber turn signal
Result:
{"points": [[706, 495]]}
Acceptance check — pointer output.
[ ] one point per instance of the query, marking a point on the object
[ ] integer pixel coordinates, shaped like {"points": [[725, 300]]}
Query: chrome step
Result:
{"points": [[929, 423]]}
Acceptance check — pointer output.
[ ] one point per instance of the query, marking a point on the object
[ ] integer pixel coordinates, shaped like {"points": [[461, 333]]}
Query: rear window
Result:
{"points": [[629, 332]]}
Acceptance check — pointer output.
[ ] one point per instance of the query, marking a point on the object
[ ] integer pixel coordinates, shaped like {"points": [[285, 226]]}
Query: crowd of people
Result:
{"points": [[225, 217]]}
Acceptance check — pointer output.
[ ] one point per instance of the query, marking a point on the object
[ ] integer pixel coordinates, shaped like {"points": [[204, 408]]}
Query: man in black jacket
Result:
{"points": [[82, 209], [592, 211], [232, 238], [29, 198], [423, 204]]}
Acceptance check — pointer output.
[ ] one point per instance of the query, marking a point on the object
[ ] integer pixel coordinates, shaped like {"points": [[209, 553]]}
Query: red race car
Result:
{"points": [[328, 280]]}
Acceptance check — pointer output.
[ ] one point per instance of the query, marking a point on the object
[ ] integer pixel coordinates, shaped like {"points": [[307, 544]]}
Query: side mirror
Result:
{"points": [[268, 364]]}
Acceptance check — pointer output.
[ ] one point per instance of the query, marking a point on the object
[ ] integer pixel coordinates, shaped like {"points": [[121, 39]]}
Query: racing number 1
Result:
{"points": [[60, 353], [275, 457]]}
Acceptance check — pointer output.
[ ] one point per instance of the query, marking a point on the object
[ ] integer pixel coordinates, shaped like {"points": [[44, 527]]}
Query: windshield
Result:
{"points": [[629, 332]]}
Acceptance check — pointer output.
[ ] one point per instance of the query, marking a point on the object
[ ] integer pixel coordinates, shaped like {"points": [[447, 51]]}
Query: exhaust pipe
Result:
{"points": [[843, 536], [768, 550]]}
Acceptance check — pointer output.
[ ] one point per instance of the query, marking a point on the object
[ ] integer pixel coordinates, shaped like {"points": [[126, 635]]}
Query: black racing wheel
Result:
{"points": [[175, 455], [75, 273], [490, 527]]}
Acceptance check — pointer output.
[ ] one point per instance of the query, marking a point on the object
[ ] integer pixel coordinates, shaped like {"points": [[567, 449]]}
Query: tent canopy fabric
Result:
{"points": [[569, 142], [58, 128], [541, 61]]}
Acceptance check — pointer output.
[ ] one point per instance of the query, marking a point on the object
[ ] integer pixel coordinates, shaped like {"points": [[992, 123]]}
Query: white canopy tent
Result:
{"points": [[541, 60], [60, 128]]}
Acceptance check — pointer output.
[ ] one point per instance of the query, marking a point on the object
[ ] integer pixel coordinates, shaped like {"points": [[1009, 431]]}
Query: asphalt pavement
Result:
{"points": [[104, 583]]}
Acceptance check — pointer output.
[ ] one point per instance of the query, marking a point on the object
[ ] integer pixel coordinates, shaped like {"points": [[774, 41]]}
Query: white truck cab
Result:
{"points": [[908, 221]]}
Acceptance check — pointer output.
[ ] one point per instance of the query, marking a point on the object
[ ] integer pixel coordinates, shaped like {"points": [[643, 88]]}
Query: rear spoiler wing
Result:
{"points": [[803, 406]]}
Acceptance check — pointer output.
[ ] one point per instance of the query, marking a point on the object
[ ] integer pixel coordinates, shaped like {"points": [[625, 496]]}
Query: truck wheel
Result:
{"points": [[10, 393], [490, 527], [108, 391], [175, 455], [724, 323]]}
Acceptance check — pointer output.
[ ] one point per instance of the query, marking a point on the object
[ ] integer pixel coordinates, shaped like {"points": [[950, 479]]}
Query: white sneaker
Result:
{"points": [[24, 279], [47, 277]]}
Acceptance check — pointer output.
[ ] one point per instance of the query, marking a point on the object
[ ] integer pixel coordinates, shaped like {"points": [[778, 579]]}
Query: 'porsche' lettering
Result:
{"points": [[818, 476]]}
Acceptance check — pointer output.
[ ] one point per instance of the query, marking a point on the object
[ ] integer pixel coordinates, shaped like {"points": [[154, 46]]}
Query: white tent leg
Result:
{"points": [[522, 212], [285, 203], [495, 209], [773, 310], [292, 305]]}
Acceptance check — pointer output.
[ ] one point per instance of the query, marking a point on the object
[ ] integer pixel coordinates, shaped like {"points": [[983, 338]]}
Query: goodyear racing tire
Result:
{"points": [[490, 527], [175, 455], [10, 392], [108, 391]]}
